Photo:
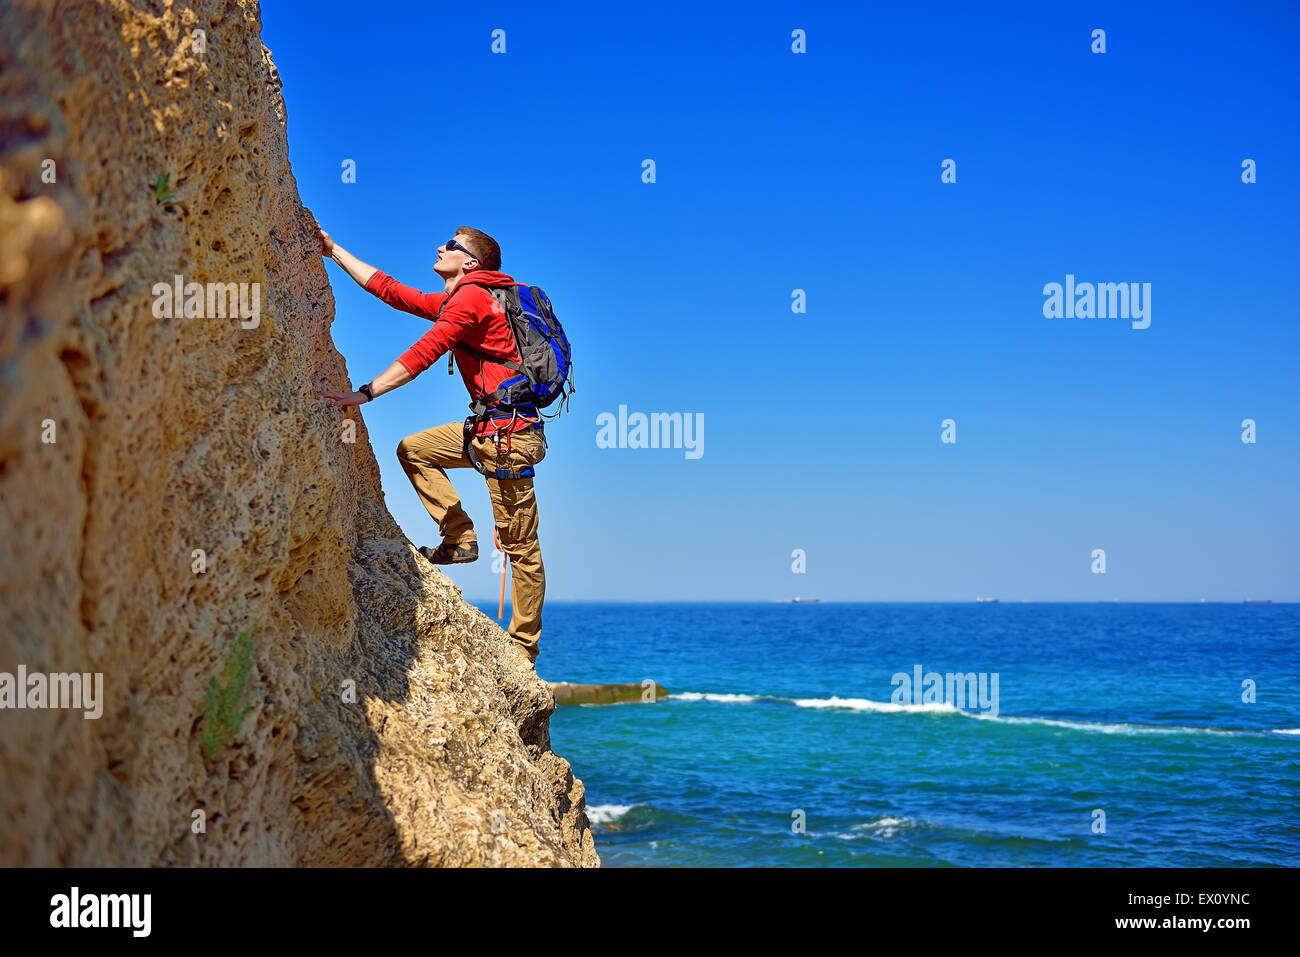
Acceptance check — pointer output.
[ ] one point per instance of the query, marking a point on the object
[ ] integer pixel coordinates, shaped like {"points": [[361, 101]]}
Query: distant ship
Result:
{"points": [[978, 599], [804, 601], [1258, 601]]}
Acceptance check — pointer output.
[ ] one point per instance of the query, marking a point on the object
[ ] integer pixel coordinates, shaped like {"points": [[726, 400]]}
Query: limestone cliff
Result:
{"points": [[170, 483]]}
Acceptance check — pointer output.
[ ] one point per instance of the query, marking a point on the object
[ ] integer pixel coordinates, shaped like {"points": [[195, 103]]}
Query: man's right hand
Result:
{"points": [[326, 244]]}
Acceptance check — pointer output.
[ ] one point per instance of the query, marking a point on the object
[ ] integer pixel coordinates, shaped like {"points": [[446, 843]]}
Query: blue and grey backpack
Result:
{"points": [[546, 370]]}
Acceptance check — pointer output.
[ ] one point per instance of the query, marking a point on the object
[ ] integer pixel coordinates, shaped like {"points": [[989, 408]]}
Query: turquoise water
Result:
{"points": [[784, 714]]}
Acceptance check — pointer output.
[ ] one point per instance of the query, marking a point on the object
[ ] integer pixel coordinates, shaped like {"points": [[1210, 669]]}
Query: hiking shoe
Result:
{"points": [[451, 554]]}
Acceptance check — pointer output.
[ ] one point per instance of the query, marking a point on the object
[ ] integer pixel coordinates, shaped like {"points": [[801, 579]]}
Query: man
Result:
{"points": [[475, 327]]}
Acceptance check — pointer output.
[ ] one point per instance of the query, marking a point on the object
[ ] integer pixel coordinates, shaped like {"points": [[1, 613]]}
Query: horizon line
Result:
{"points": [[925, 601]]}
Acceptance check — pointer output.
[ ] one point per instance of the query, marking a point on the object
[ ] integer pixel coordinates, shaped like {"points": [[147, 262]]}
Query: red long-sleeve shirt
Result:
{"points": [[471, 318]]}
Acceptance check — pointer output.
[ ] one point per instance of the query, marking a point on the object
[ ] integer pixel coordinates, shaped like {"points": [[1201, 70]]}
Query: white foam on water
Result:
{"points": [[1101, 727], [605, 813], [883, 827], [941, 707], [866, 704], [1095, 726]]}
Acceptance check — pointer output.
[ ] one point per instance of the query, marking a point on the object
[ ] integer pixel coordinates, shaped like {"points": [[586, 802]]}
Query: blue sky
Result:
{"points": [[820, 171]]}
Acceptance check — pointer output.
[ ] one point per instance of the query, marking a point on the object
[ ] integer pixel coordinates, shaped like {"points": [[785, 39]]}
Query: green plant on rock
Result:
{"points": [[225, 708], [162, 192]]}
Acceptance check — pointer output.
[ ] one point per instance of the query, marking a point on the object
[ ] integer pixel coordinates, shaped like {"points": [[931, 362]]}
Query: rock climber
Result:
{"points": [[467, 320]]}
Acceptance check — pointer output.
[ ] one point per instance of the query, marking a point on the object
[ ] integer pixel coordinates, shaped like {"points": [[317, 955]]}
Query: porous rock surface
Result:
{"points": [[167, 483]]}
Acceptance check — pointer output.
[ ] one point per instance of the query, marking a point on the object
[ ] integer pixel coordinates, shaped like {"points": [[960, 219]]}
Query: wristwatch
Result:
{"points": [[365, 390]]}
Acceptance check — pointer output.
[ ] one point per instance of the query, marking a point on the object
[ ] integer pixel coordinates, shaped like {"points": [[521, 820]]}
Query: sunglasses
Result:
{"points": [[452, 244]]}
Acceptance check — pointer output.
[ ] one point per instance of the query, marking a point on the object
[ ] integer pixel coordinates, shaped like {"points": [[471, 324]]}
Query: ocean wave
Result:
{"points": [[1103, 727], [939, 707], [881, 828], [606, 813], [866, 704], [1098, 727]]}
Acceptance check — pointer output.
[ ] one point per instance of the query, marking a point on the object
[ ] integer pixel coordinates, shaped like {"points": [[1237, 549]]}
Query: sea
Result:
{"points": [[830, 734]]}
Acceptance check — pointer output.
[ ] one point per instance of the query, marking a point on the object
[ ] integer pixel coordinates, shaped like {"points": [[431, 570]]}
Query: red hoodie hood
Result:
{"points": [[489, 277]]}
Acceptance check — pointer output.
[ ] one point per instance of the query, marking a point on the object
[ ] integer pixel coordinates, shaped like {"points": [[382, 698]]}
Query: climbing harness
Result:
{"points": [[483, 413]]}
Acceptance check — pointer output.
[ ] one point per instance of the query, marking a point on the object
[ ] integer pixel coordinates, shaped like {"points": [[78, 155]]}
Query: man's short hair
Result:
{"points": [[489, 253]]}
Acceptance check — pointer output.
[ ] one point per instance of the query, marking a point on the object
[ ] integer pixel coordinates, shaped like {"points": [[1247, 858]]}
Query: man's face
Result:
{"points": [[451, 261]]}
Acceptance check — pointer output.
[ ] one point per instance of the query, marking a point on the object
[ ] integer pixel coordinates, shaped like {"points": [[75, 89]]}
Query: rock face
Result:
{"points": [[169, 483]]}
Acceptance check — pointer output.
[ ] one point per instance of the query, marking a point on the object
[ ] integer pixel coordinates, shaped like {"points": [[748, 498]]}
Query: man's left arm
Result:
{"points": [[391, 378], [450, 328], [457, 319]]}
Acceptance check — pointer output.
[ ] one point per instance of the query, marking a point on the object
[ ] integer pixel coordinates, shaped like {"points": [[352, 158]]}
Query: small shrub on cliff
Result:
{"points": [[225, 708], [162, 192]]}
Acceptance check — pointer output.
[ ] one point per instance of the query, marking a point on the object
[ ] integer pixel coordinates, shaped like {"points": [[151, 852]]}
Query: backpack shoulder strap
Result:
{"points": [[484, 357], [511, 293]]}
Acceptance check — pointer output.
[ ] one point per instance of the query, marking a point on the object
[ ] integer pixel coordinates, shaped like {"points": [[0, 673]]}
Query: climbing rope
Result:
{"points": [[501, 607]]}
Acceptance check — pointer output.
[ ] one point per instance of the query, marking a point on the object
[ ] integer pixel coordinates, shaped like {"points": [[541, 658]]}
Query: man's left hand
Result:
{"points": [[345, 399]]}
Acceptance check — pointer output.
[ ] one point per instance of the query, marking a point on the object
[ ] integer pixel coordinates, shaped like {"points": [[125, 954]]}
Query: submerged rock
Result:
{"points": [[566, 693]]}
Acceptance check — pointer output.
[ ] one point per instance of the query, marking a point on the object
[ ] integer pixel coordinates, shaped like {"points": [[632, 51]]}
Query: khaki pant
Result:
{"points": [[426, 456]]}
